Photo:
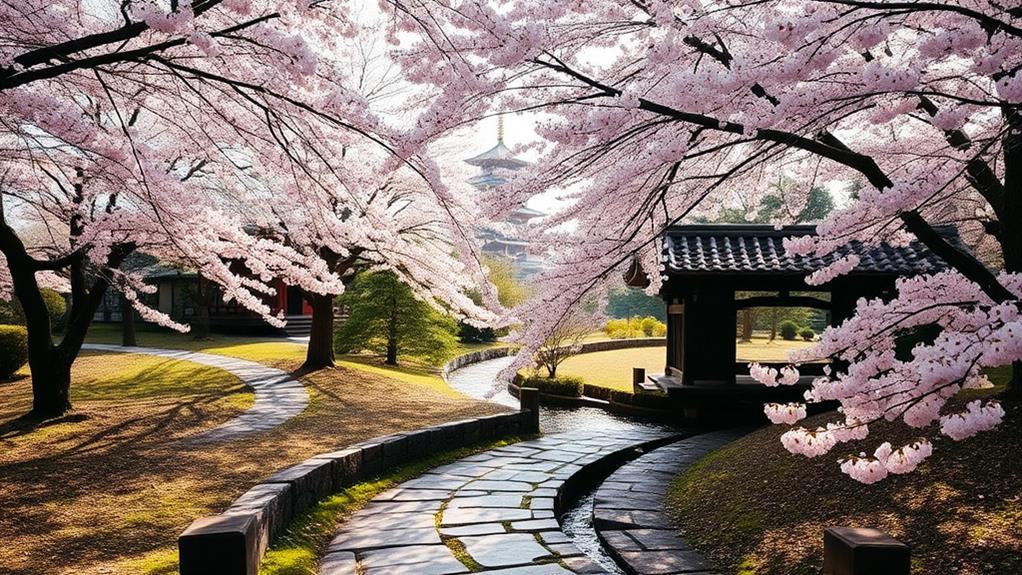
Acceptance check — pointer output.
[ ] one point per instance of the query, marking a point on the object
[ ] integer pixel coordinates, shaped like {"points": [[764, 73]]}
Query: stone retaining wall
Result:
{"points": [[475, 357], [629, 509], [235, 541]]}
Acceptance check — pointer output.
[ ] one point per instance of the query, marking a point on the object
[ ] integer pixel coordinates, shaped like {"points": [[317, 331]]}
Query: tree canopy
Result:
{"points": [[386, 318]]}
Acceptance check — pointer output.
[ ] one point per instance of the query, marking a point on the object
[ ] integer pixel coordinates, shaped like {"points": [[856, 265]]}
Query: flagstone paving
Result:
{"points": [[278, 396], [628, 512], [493, 512]]}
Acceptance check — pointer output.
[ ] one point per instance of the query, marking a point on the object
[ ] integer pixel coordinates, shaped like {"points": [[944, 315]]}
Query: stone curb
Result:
{"points": [[500, 506], [234, 541], [628, 512]]}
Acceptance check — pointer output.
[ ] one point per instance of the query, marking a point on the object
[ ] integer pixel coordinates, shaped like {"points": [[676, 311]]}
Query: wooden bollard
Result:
{"points": [[864, 551], [638, 378], [528, 399]]}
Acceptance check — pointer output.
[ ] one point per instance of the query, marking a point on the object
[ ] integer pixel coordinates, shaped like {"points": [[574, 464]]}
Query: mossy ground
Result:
{"points": [[755, 509]]}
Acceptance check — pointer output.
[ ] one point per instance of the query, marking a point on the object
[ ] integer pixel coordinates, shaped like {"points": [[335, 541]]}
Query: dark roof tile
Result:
{"points": [[725, 248]]}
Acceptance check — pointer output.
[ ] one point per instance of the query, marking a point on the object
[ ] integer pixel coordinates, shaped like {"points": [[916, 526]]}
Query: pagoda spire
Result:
{"points": [[500, 129]]}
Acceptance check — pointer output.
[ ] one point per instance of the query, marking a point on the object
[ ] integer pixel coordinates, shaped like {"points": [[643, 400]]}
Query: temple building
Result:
{"points": [[505, 242], [712, 272]]}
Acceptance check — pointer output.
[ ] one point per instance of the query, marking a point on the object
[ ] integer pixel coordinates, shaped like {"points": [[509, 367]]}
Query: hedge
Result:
{"points": [[13, 349], [596, 392], [650, 400], [565, 385]]}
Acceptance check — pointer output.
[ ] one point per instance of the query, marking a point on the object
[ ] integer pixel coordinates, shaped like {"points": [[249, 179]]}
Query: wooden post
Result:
{"points": [[528, 398], [638, 378], [863, 551]]}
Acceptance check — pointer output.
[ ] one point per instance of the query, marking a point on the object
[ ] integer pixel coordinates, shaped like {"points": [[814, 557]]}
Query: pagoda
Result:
{"points": [[506, 242]]}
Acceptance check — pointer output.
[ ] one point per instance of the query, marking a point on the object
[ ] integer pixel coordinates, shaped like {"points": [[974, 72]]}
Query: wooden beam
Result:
{"points": [[789, 301]]}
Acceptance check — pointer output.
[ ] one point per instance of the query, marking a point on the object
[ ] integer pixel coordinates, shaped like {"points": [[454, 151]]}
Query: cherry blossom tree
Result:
{"points": [[655, 111], [134, 126]]}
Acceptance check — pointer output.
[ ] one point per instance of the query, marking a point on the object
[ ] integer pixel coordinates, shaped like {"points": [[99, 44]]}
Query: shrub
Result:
{"points": [[13, 349], [646, 400], [652, 327], [56, 306], [565, 385], [635, 327], [807, 334], [788, 329]]}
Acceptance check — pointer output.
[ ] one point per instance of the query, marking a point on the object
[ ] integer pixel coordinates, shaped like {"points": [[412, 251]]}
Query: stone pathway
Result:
{"points": [[278, 396], [494, 512], [628, 511]]}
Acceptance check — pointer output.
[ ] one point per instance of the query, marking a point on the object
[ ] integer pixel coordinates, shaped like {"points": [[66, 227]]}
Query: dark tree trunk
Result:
{"points": [[747, 323], [1011, 220], [202, 297], [392, 333], [200, 323], [127, 324], [51, 382], [320, 353]]}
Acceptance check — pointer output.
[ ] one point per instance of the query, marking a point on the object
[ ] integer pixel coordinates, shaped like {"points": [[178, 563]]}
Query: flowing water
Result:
{"points": [[478, 380]]}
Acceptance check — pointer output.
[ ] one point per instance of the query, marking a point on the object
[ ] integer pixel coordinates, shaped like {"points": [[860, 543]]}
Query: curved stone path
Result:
{"points": [[628, 511], [476, 380], [278, 396], [494, 512]]}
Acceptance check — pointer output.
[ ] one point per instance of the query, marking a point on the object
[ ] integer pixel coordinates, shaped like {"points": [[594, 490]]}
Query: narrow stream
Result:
{"points": [[476, 380]]}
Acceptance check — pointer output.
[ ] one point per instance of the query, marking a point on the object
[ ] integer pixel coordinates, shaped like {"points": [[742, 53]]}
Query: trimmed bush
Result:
{"points": [[788, 329], [647, 400], [635, 327], [13, 349], [56, 306], [807, 334], [596, 392], [566, 385]]}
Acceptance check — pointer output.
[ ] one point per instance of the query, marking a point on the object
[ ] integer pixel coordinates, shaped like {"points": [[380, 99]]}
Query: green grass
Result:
{"points": [[613, 369], [274, 351], [297, 551], [132, 376]]}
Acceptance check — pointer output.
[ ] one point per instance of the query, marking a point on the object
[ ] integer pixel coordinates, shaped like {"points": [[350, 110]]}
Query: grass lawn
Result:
{"points": [[762, 349], [613, 368], [755, 509], [108, 488]]}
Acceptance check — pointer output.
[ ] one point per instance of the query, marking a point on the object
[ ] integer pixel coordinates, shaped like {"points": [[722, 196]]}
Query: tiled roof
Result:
{"points": [[499, 156], [727, 248]]}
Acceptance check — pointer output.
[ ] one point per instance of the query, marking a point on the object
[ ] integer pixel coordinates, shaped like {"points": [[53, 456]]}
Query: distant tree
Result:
{"points": [[511, 292], [624, 302], [566, 339], [386, 318]]}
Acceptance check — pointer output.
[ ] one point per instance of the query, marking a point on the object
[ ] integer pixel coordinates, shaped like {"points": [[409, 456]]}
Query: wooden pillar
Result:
{"points": [[675, 337], [709, 338]]}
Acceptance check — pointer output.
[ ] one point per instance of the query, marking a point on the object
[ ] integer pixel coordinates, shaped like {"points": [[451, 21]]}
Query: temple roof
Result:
{"points": [[722, 249], [498, 156]]}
